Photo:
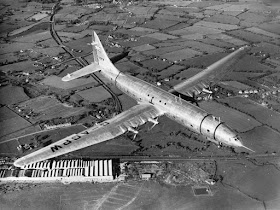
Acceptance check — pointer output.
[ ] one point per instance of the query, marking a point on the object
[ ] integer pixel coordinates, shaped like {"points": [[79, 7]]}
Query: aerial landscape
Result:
{"points": [[163, 161]]}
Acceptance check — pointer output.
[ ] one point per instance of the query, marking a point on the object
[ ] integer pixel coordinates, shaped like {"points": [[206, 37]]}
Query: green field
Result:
{"points": [[25, 66], [12, 95], [95, 94], [47, 107], [56, 81], [262, 139], [11, 122], [260, 113], [9, 146], [235, 119]]}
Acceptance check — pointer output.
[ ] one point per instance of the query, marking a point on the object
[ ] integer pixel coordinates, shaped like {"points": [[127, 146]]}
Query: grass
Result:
{"points": [[48, 108], [12, 95], [13, 124], [262, 139], [56, 81], [260, 113], [96, 94]]}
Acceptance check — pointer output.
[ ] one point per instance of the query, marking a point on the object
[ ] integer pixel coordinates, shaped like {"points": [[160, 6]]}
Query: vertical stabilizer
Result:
{"points": [[99, 55], [101, 62]]}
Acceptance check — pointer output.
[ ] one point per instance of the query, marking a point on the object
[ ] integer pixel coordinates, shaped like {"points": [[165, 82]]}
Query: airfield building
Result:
{"points": [[62, 170]]}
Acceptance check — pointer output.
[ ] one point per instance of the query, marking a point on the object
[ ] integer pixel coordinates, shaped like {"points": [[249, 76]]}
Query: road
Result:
{"points": [[80, 60], [138, 158]]}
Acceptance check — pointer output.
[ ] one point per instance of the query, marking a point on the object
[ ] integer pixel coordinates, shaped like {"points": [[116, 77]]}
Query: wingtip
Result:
{"points": [[66, 78], [18, 164]]}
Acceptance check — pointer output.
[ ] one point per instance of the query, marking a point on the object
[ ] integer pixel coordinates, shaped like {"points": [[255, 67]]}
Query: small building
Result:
{"points": [[146, 176], [122, 177], [210, 181]]}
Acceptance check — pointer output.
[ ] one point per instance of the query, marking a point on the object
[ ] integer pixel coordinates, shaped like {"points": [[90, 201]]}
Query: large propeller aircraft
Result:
{"points": [[153, 102]]}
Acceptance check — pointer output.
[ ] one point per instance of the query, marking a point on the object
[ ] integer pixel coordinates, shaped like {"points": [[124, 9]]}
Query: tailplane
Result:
{"points": [[101, 62]]}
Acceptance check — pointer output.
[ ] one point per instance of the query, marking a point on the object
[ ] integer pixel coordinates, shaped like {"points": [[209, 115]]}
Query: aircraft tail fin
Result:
{"points": [[100, 62], [99, 55]]}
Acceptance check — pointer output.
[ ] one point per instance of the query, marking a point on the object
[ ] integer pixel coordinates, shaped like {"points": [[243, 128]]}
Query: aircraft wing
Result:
{"points": [[125, 121], [211, 74]]}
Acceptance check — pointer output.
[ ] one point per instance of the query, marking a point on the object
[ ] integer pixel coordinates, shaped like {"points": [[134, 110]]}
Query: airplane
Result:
{"points": [[152, 102]]}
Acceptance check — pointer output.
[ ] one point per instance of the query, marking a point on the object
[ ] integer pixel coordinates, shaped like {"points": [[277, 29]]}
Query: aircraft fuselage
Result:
{"points": [[175, 108]]}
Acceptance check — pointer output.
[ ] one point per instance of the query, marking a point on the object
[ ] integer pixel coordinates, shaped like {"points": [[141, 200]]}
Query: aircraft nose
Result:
{"points": [[238, 143]]}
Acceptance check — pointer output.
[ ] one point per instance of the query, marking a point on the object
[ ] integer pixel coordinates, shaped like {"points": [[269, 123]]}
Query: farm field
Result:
{"points": [[235, 119], [12, 95], [262, 139], [217, 43], [249, 36], [24, 131], [237, 85], [130, 67], [133, 195], [188, 73], [96, 94], [172, 70], [34, 37], [12, 124], [27, 66], [221, 26], [223, 18], [258, 112], [251, 179], [56, 81], [181, 54], [8, 58], [9, 146], [53, 135], [47, 107], [9, 48]]}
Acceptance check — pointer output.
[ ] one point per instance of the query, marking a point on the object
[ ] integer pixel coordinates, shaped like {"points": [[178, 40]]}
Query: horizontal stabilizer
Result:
{"points": [[94, 67]]}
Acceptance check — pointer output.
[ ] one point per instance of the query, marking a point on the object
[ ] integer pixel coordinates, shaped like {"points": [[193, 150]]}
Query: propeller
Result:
{"points": [[207, 92], [154, 121], [194, 97], [133, 131]]}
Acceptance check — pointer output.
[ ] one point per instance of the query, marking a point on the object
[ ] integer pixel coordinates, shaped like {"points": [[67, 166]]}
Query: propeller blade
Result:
{"points": [[134, 137], [133, 131], [154, 121]]}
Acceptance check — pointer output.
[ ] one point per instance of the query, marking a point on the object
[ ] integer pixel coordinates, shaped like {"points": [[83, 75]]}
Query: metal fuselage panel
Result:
{"points": [[175, 108]]}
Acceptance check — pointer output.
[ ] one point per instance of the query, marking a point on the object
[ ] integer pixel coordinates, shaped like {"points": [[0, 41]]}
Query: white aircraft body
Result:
{"points": [[152, 103]]}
